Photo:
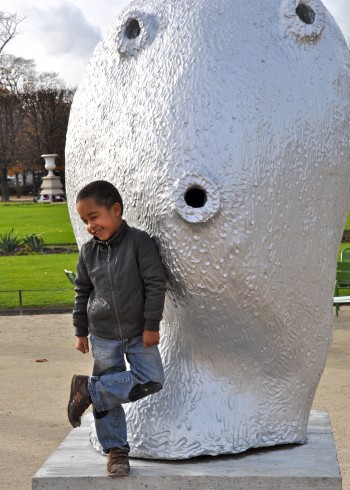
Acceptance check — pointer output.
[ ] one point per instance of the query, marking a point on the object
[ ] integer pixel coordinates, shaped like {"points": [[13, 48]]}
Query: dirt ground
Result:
{"points": [[34, 394]]}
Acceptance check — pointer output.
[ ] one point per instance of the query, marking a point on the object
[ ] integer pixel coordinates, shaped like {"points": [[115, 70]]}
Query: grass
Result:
{"points": [[347, 224], [37, 272], [50, 220]]}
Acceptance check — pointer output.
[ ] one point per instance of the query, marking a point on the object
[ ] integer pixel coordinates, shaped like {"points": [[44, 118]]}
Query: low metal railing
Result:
{"points": [[21, 292]]}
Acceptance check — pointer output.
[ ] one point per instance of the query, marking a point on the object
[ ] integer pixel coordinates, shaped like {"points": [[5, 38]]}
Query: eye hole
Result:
{"points": [[305, 13], [195, 197], [133, 29]]}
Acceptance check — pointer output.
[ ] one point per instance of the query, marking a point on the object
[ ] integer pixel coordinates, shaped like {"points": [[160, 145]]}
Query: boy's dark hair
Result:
{"points": [[103, 192]]}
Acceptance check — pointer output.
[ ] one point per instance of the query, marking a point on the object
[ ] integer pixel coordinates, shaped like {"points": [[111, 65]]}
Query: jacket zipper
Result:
{"points": [[109, 249]]}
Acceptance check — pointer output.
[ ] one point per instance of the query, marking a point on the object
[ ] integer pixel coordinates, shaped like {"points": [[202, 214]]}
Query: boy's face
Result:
{"points": [[100, 221]]}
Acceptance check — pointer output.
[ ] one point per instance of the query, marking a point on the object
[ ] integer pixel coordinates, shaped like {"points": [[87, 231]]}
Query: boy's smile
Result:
{"points": [[100, 221]]}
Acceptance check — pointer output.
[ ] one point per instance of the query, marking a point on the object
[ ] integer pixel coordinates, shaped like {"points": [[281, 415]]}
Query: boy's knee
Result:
{"points": [[99, 415], [142, 390]]}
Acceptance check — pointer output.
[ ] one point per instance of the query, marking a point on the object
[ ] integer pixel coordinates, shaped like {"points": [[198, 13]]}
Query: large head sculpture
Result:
{"points": [[225, 126]]}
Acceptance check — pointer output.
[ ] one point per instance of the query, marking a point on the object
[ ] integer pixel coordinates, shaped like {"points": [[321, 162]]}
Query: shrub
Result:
{"points": [[33, 242], [9, 242]]}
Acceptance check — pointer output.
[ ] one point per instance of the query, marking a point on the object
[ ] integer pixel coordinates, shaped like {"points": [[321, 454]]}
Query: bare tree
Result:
{"points": [[11, 118], [15, 74], [47, 110], [49, 81], [34, 112], [8, 28]]}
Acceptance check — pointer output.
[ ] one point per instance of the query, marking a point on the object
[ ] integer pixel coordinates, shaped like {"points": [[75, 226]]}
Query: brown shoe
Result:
{"points": [[118, 462], [79, 399]]}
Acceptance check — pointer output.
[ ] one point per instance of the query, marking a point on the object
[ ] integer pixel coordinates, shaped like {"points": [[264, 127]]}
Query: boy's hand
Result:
{"points": [[150, 338], [82, 344]]}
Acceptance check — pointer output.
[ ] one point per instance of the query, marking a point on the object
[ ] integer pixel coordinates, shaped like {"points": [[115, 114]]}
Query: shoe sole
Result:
{"points": [[71, 398], [118, 475]]}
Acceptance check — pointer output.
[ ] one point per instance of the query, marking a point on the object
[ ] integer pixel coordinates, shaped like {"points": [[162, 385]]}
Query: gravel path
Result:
{"points": [[34, 394]]}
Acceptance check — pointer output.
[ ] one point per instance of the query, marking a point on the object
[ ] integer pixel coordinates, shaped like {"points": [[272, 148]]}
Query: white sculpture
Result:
{"points": [[225, 126]]}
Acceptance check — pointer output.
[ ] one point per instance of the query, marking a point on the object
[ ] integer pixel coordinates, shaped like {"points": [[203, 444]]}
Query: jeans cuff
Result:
{"points": [[92, 392]]}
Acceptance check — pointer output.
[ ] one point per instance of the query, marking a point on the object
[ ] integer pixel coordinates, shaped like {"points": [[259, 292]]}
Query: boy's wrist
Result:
{"points": [[152, 325], [81, 331]]}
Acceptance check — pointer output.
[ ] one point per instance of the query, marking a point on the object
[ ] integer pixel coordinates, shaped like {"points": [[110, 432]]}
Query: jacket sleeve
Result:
{"points": [[83, 288], [153, 276]]}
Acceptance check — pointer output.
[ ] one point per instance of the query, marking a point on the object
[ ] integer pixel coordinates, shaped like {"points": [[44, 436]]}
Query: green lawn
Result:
{"points": [[42, 271], [37, 272], [51, 220], [347, 224]]}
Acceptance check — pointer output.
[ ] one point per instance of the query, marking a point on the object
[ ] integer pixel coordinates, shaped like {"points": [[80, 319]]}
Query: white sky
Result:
{"points": [[60, 35]]}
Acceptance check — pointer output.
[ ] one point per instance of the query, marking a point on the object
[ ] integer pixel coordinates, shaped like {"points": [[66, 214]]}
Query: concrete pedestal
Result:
{"points": [[51, 186], [75, 465]]}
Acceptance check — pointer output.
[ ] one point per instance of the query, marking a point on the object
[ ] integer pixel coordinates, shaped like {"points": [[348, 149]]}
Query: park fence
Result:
{"points": [[32, 306]]}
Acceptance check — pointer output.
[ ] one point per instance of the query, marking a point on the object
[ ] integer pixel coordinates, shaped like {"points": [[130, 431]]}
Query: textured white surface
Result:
{"points": [[249, 103]]}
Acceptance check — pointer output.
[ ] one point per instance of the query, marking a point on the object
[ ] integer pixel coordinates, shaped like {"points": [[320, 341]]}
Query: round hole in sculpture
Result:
{"points": [[133, 29], [305, 13], [195, 197]]}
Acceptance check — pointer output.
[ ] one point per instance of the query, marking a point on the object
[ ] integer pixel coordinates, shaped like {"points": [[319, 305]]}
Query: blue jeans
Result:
{"points": [[110, 383]]}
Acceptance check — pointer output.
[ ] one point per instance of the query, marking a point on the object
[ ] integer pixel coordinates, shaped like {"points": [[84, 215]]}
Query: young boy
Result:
{"points": [[120, 290]]}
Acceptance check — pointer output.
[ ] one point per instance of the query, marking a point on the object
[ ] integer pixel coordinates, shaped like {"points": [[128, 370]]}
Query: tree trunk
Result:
{"points": [[5, 191]]}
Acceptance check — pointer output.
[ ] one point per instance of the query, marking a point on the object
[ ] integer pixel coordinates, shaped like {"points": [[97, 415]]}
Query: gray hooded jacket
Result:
{"points": [[120, 286]]}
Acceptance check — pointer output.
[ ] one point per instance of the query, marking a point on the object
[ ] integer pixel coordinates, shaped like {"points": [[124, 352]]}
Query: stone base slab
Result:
{"points": [[75, 465]]}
